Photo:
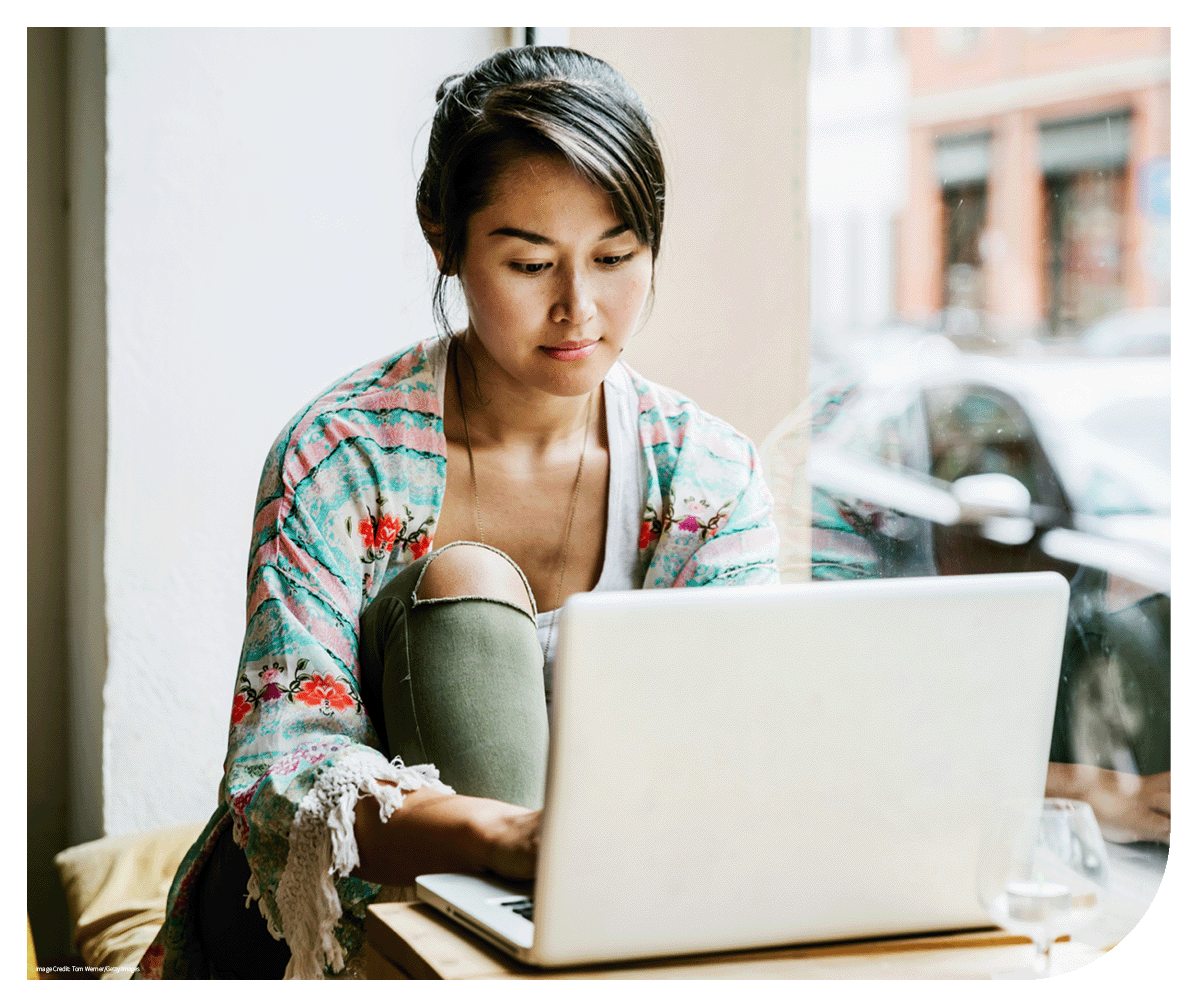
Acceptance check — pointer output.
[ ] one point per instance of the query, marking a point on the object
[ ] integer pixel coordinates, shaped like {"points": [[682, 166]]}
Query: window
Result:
{"points": [[963, 165], [1085, 221]]}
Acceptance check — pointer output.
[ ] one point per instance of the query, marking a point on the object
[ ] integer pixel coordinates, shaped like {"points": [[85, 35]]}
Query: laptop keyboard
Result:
{"points": [[521, 907]]}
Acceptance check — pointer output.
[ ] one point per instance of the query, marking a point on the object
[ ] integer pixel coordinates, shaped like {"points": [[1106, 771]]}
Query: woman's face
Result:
{"points": [[554, 282]]}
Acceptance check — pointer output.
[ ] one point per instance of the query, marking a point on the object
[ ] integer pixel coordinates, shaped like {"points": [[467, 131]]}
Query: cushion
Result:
{"points": [[117, 893]]}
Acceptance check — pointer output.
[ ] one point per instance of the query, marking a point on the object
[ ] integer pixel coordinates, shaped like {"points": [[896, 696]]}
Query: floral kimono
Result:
{"points": [[350, 495]]}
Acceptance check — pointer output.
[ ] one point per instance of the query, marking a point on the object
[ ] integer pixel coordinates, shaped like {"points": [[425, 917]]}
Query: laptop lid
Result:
{"points": [[745, 767]]}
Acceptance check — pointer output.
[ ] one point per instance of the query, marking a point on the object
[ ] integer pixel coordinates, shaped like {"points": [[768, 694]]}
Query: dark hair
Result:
{"points": [[536, 98]]}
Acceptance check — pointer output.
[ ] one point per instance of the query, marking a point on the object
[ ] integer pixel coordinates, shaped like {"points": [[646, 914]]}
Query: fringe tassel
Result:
{"points": [[321, 845]]}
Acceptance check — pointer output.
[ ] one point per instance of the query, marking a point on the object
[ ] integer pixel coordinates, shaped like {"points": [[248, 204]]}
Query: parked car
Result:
{"points": [[925, 460]]}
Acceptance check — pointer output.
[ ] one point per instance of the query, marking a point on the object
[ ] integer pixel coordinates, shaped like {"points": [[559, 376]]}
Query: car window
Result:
{"points": [[974, 430]]}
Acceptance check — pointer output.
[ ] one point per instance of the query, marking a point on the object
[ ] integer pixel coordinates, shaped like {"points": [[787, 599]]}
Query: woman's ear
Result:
{"points": [[433, 236]]}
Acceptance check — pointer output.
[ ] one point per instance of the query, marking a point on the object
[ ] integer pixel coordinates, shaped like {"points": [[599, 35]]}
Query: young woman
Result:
{"points": [[420, 523]]}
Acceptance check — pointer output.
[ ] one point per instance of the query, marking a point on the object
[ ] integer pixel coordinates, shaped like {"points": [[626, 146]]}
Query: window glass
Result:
{"points": [[977, 430], [990, 216]]}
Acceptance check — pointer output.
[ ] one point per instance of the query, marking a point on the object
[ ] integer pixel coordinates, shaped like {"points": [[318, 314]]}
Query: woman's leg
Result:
{"points": [[452, 676], [235, 937], [450, 645]]}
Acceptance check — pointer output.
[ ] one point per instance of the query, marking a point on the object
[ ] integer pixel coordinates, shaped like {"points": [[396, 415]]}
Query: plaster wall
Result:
{"points": [[87, 415], [260, 242]]}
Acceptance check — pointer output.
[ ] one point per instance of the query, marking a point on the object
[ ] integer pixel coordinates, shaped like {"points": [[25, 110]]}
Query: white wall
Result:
{"points": [[261, 241]]}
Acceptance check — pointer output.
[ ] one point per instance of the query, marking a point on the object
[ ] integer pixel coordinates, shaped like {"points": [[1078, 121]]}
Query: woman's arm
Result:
{"points": [[734, 540], [333, 505], [436, 832]]}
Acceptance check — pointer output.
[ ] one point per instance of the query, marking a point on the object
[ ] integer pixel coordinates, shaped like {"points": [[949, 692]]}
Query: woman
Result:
{"points": [[419, 525]]}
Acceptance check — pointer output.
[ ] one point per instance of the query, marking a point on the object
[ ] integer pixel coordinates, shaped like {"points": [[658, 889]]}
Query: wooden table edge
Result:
{"points": [[392, 945]]}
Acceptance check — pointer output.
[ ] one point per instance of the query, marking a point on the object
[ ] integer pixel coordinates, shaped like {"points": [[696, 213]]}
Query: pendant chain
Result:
{"points": [[562, 570]]}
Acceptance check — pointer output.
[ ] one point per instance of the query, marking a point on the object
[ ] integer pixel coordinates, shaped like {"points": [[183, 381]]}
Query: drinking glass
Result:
{"points": [[1043, 871]]}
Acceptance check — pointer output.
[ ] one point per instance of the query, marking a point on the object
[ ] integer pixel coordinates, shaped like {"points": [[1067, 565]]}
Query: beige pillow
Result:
{"points": [[117, 893]]}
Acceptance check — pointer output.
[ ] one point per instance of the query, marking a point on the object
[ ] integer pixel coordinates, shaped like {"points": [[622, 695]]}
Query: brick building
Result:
{"points": [[1038, 176]]}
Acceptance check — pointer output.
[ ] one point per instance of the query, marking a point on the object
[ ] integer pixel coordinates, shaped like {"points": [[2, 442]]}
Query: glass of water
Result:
{"points": [[1043, 871]]}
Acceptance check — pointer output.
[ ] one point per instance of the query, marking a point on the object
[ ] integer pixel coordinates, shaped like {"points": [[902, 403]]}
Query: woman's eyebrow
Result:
{"points": [[522, 234], [616, 230], [540, 240]]}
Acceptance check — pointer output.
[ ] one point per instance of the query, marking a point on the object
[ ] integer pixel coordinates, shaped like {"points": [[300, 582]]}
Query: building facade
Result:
{"points": [[1038, 178]]}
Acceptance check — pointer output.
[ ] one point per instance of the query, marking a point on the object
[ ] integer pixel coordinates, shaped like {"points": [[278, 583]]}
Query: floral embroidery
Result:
{"points": [[653, 526], [385, 532], [367, 530], [270, 690], [320, 691], [379, 533], [241, 708], [325, 692]]}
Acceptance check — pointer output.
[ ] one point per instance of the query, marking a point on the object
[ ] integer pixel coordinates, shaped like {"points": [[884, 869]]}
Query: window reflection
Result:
{"points": [[990, 272]]}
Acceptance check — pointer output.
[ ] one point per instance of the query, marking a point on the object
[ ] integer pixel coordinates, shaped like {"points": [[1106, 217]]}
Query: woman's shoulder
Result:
{"points": [[403, 381], [391, 403], [672, 422]]}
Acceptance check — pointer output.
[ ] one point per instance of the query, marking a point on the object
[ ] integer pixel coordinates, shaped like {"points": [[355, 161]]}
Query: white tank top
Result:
{"points": [[626, 499]]}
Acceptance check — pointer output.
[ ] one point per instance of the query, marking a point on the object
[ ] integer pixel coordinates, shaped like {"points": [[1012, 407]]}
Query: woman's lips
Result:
{"points": [[571, 350]]}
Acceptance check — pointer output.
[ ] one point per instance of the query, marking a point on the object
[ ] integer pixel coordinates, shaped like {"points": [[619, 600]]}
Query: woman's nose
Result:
{"points": [[575, 302]]}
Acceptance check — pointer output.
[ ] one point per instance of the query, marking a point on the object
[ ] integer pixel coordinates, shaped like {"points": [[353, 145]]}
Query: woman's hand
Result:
{"points": [[1128, 807], [436, 832], [514, 840], [1143, 812]]}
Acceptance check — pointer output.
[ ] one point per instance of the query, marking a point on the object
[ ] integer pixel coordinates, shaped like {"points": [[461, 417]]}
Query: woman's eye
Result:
{"points": [[612, 260], [526, 268]]}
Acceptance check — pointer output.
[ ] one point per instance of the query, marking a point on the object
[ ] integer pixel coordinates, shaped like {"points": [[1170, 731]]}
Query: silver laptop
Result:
{"points": [[748, 767]]}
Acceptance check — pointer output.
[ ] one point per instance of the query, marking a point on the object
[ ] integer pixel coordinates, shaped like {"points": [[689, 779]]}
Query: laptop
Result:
{"points": [[736, 768]]}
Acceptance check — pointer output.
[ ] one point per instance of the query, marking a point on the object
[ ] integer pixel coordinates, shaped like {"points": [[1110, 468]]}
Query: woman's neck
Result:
{"points": [[500, 411]]}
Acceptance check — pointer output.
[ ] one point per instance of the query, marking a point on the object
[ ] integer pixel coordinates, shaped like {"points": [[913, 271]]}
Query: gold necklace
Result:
{"points": [[562, 570]]}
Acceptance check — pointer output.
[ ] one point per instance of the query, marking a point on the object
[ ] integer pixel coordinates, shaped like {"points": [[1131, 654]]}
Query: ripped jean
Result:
{"points": [[457, 682]]}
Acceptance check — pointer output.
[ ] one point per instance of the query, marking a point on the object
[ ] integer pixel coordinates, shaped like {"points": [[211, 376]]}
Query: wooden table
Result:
{"points": [[408, 940], [414, 941]]}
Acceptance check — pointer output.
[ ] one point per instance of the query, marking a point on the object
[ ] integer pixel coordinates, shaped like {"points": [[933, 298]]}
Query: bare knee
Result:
{"points": [[473, 571]]}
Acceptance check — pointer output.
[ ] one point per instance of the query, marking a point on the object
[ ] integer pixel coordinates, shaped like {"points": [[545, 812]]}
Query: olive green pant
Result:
{"points": [[456, 682]]}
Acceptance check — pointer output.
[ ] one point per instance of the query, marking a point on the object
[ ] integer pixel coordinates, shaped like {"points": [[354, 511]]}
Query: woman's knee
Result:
{"points": [[473, 570]]}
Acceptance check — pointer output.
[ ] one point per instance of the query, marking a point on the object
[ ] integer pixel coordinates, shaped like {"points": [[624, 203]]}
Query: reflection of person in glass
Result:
{"points": [[1128, 807], [1112, 727], [1111, 742], [420, 524]]}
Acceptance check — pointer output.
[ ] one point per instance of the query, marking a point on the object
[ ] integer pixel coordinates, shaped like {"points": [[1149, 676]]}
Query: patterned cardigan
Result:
{"points": [[349, 496]]}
